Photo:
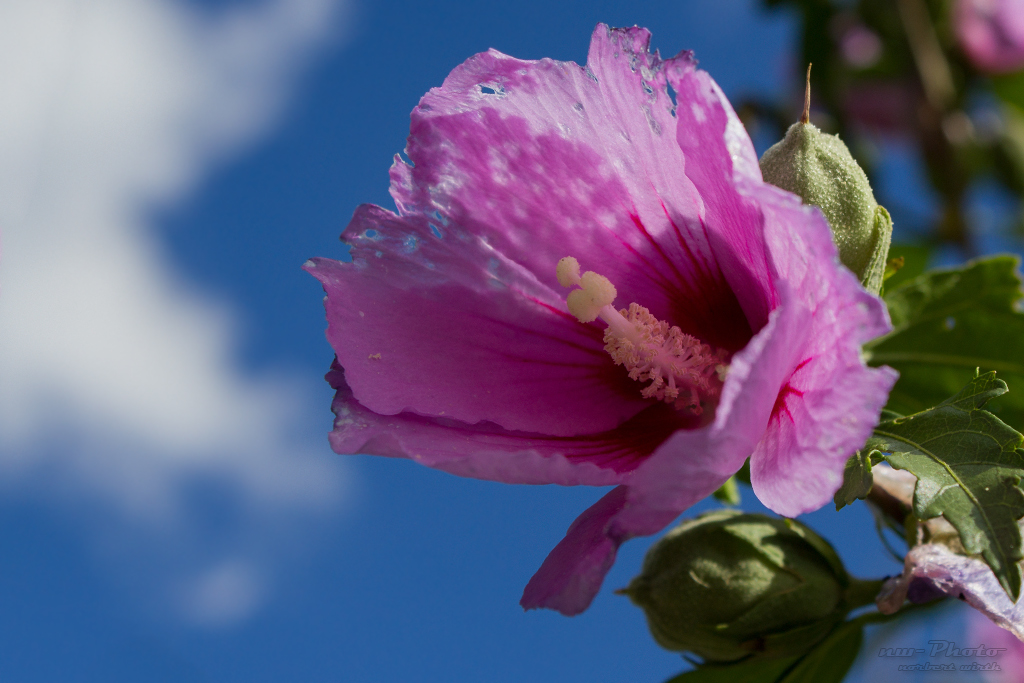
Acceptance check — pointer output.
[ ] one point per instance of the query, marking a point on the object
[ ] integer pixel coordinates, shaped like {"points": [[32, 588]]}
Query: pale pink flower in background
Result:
{"points": [[982, 632], [991, 33]]}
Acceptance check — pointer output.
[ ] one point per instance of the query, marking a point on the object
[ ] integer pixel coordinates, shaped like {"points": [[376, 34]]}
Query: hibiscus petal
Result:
{"points": [[573, 572], [486, 451], [719, 154], [829, 401], [444, 326], [547, 159], [828, 406]]}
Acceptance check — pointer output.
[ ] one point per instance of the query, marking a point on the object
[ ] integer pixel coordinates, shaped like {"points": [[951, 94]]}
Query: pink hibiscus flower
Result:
{"points": [[991, 33], [456, 347]]}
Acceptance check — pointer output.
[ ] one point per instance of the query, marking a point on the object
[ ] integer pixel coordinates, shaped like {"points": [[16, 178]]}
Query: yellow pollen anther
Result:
{"points": [[681, 369]]}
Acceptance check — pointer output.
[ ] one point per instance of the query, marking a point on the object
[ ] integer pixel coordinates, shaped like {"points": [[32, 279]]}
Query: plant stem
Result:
{"points": [[863, 592]]}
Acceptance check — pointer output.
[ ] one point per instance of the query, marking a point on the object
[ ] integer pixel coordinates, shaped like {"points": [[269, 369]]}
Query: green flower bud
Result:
{"points": [[819, 169], [729, 585]]}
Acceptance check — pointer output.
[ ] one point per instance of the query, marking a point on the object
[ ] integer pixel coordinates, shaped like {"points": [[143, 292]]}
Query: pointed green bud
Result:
{"points": [[728, 586], [819, 169]]}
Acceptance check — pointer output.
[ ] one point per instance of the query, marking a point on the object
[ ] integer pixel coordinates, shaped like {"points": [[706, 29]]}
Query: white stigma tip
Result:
{"points": [[600, 288], [596, 293], [568, 271], [582, 306]]}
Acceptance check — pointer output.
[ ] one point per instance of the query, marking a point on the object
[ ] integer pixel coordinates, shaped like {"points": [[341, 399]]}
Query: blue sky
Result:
{"points": [[169, 507]]}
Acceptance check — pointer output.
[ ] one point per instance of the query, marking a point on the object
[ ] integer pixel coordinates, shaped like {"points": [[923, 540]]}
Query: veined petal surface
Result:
{"points": [[455, 347]]}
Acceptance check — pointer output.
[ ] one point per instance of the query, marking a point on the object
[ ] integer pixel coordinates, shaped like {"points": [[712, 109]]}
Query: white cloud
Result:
{"points": [[223, 594], [115, 377]]}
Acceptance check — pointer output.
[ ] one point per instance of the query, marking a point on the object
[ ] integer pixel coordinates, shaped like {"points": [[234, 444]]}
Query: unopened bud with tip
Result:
{"points": [[819, 168]]}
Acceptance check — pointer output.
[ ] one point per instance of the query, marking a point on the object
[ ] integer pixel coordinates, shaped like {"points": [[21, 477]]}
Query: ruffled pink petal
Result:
{"points": [[486, 451], [719, 155], [991, 33], [446, 326], [828, 400], [798, 465], [573, 572], [827, 407], [546, 159]]}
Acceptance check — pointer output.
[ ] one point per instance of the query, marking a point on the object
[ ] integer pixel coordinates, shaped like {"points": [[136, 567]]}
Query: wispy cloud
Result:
{"points": [[118, 381]]}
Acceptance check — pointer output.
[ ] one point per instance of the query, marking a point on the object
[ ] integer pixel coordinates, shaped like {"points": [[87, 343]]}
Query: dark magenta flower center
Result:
{"points": [[682, 370]]}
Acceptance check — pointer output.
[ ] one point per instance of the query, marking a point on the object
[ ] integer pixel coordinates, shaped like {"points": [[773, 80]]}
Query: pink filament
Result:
{"points": [[682, 370]]}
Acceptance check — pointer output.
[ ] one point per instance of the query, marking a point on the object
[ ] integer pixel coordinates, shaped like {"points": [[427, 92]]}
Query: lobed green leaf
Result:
{"points": [[857, 480], [946, 324], [969, 465]]}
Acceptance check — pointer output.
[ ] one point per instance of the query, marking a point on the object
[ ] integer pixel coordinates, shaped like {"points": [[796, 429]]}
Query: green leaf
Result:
{"points": [[857, 479], [915, 260], [969, 465], [946, 324], [756, 671], [892, 266], [830, 661], [729, 492], [1010, 88], [744, 473], [1009, 152]]}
